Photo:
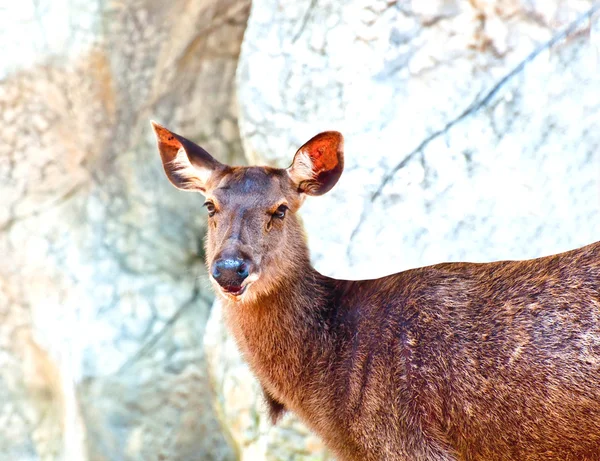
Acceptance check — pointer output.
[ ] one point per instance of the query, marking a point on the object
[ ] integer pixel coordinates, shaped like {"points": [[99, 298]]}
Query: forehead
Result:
{"points": [[256, 184]]}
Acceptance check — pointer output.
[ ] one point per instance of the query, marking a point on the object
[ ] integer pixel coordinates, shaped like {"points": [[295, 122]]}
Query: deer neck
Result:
{"points": [[282, 335]]}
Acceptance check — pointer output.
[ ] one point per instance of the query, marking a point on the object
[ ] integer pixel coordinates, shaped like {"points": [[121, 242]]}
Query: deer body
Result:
{"points": [[453, 361], [457, 361]]}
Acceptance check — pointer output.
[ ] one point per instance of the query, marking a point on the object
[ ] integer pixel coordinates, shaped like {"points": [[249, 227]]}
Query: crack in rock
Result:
{"points": [[471, 109]]}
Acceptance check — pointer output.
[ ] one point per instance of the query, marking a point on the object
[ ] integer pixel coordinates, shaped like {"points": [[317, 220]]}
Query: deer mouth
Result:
{"points": [[234, 290]]}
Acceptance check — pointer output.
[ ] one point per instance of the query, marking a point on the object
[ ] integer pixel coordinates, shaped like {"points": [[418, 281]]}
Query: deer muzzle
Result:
{"points": [[230, 273]]}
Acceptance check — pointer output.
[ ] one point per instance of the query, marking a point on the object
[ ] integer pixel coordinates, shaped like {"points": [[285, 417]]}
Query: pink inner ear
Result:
{"points": [[323, 151], [318, 164]]}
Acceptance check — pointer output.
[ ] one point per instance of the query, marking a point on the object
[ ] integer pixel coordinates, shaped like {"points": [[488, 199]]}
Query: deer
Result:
{"points": [[457, 361]]}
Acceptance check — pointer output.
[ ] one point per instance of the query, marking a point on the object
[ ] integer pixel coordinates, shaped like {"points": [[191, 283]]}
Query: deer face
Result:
{"points": [[254, 238]]}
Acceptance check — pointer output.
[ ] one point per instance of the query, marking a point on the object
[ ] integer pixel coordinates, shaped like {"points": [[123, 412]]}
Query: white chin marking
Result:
{"points": [[252, 278]]}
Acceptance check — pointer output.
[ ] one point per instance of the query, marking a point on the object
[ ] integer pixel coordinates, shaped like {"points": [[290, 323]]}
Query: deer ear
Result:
{"points": [[318, 164], [187, 165]]}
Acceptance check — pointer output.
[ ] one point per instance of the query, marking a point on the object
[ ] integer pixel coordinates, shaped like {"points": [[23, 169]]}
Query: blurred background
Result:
{"points": [[472, 133]]}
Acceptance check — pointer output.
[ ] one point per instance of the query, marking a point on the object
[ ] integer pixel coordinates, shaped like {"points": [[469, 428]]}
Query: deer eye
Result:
{"points": [[280, 212], [210, 207]]}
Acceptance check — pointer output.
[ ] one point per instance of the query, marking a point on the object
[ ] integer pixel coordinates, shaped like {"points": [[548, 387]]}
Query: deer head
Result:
{"points": [[254, 238]]}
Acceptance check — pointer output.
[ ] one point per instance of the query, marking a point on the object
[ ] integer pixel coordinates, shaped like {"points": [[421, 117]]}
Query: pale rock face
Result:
{"points": [[102, 291], [435, 171]]}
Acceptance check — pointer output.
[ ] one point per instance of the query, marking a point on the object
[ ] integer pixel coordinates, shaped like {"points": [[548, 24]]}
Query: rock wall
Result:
{"points": [[102, 289], [471, 134]]}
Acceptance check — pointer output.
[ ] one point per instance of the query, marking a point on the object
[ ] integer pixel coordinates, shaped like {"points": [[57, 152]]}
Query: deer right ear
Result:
{"points": [[187, 165], [318, 164]]}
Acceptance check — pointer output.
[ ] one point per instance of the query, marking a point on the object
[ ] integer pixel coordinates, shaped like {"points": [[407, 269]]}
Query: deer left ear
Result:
{"points": [[187, 165], [318, 164]]}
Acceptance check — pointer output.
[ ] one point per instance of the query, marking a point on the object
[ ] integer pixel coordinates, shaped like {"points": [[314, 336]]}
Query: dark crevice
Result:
{"points": [[47, 207], [305, 19], [153, 340]]}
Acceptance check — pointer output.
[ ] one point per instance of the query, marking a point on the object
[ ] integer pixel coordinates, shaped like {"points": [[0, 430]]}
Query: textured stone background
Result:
{"points": [[102, 300], [460, 145]]}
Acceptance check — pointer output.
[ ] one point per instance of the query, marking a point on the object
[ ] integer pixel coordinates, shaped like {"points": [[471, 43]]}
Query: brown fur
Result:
{"points": [[457, 361]]}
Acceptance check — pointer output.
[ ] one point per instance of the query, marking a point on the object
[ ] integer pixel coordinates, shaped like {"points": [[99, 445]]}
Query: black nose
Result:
{"points": [[230, 272]]}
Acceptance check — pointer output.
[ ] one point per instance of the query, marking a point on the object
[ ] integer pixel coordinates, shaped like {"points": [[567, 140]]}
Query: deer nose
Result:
{"points": [[230, 273]]}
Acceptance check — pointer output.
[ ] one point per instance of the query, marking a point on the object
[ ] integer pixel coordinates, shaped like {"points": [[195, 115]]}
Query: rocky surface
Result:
{"points": [[102, 290]]}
